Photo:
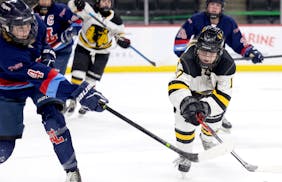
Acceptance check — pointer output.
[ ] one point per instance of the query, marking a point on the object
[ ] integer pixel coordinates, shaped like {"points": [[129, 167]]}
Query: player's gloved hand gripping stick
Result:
{"points": [[214, 152]]}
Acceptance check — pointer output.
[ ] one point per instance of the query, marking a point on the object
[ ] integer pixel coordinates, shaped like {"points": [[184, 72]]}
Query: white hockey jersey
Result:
{"points": [[213, 86], [93, 34]]}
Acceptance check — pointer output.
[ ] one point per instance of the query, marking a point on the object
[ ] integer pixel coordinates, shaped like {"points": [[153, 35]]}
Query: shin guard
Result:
{"points": [[55, 126]]}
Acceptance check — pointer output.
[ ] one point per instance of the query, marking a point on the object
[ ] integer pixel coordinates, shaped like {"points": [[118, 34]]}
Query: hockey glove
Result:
{"points": [[67, 35], [89, 98], [48, 57], [123, 42], [80, 4], [256, 56], [190, 107]]}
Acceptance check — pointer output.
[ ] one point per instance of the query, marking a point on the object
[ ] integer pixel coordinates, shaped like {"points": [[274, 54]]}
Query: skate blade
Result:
{"points": [[225, 130]]}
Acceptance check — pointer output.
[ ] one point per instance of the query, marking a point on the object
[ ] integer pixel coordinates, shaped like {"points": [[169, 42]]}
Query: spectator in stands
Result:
{"points": [[213, 15]]}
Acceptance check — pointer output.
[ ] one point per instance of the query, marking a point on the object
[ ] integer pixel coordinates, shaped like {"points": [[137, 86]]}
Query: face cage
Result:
{"points": [[44, 9], [32, 33], [213, 15], [104, 9], [208, 66]]}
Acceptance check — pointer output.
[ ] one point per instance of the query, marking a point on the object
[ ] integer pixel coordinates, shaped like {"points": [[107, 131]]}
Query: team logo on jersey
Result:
{"points": [[15, 67], [50, 20], [190, 21], [35, 74], [236, 30], [98, 35], [62, 13], [181, 34], [74, 18]]}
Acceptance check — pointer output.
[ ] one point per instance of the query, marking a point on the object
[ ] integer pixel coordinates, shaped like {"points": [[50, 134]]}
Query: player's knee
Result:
{"points": [[52, 117], [6, 149], [45, 102]]}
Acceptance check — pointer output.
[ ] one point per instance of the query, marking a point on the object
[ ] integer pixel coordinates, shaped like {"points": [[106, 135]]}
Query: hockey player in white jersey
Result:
{"points": [[101, 27], [202, 84]]}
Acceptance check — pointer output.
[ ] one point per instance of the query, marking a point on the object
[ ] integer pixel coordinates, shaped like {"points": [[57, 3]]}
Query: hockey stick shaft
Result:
{"points": [[133, 48], [143, 56], [246, 165], [193, 157], [190, 156], [265, 57]]}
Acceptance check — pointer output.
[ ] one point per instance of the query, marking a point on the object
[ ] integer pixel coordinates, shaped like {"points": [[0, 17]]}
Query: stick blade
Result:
{"points": [[216, 151], [269, 169]]}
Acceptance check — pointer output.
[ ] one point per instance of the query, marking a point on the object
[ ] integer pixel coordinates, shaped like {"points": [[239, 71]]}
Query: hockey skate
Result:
{"points": [[73, 176], [183, 165], [82, 111], [226, 126], [207, 144], [70, 107]]}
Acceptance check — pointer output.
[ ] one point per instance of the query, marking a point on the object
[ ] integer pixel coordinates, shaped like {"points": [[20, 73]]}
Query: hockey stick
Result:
{"points": [[265, 57], [249, 167], [133, 48], [193, 157]]}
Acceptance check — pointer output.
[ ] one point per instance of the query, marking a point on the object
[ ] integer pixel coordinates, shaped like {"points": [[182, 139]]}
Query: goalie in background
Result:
{"points": [[95, 42], [213, 15], [202, 84]]}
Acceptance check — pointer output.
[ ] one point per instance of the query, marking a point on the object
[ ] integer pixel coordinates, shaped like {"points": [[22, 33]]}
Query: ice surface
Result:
{"points": [[110, 150]]}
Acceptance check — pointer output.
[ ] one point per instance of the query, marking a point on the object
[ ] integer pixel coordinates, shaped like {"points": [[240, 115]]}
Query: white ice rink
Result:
{"points": [[110, 150]]}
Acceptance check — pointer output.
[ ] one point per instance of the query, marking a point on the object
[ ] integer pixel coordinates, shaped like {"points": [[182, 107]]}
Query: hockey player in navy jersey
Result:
{"points": [[214, 16], [95, 41], [202, 84], [62, 25], [23, 72]]}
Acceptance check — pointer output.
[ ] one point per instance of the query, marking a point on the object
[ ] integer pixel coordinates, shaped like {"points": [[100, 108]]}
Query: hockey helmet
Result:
{"points": [[44, 6], [213, 15], [18, 24], [209, 46], [215, 1], [103, 9]]}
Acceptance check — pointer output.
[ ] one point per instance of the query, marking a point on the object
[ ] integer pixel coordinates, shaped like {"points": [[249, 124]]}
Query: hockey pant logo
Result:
{"points": [[53, 137]]}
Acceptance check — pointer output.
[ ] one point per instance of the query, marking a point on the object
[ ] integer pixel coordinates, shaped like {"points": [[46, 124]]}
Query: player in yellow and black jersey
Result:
{"points": [[101, 26], [202, 84]]}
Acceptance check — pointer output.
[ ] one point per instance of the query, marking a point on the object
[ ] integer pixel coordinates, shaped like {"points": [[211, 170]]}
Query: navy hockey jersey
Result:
{"points": [[58, 19], [19, 70], [194, 25]]}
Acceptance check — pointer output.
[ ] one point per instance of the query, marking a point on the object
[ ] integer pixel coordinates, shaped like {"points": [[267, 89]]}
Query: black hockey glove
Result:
{"points": [[48, 57], [80, 4], [256, 56], [123, 42], [190, 107], [89, 98], [67, 35]]}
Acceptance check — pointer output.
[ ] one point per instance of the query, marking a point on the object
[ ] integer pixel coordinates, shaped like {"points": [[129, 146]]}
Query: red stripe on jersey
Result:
{"points": [[243, 51], [4, 82], [176, 42], [44, 86], [54, 44]]}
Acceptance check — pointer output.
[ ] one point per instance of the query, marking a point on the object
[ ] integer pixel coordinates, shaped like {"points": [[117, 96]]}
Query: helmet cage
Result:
{"points": [[211, 40], [213, 15], [17, 17], [102, 9]]}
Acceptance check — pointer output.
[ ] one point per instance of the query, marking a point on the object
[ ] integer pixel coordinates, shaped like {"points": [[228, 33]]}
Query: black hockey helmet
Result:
{"points": [[212, 15], [18, 24], [215, 1], [211, 39]]}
